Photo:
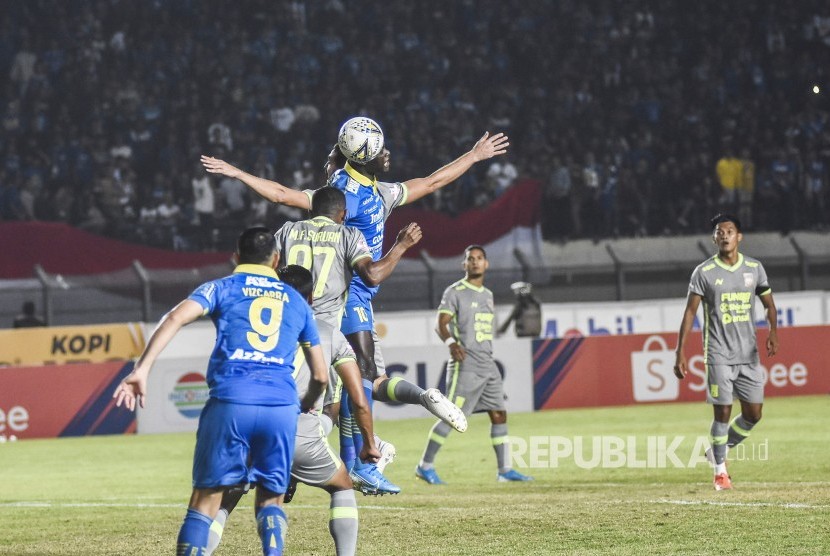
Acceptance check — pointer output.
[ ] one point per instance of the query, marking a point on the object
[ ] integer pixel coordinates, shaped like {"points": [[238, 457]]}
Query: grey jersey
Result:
{"points": [[336, 349], [329, 250], [473, 319], [729, 308]]}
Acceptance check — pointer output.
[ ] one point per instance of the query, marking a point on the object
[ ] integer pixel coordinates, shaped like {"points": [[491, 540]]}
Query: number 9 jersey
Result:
{"points": [[259, 321]]}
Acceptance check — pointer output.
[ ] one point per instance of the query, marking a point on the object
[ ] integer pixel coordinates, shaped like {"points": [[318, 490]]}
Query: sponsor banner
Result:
{"points": [[176, 394], [411, 328], [564, 320], [70, 344], [427, 369], [63, 400], [621, 370], [176, 390]]}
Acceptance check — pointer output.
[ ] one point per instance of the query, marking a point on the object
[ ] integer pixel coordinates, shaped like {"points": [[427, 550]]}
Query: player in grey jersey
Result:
{"points": [[727, 284], [466, 324]]}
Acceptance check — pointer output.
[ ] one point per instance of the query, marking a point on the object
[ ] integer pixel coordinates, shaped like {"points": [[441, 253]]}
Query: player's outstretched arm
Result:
{"points": [[692, 303], [319, 375], [271, 190], [349, 374], [375, 272], [486, 147], [134, 386]]}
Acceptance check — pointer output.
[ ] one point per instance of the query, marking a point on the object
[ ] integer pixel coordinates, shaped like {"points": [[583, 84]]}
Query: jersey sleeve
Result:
{"points": [[393, 195], [207, 296], [356, 246], [762, 287], [309, 335], [449, 302], [697, 284], [280, 239]]}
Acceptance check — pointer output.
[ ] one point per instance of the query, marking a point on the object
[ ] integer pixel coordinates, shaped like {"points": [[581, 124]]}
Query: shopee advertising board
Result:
{"points": [[621, 370], [63, 400]]}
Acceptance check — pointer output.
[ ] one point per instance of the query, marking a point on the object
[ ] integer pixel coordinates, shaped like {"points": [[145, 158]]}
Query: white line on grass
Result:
{"points": [[45, 504], [787, 505]]}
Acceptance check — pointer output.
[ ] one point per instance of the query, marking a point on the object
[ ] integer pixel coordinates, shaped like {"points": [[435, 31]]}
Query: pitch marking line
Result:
{"points": [[183, 506], [786, 505]]}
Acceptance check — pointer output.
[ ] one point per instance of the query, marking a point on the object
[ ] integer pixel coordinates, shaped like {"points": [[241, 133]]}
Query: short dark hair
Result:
{"points": [[256, 245], [340, 158], [725, 217], [299, 278], [327, 201], [474, 246]]}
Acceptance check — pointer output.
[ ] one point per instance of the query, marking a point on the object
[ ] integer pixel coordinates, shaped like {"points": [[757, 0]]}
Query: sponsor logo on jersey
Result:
{"points": [[256, 356]]}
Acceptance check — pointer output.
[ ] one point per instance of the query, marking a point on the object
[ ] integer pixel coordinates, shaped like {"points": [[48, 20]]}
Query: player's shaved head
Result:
{"points": [[256, 246], [328, 201]]}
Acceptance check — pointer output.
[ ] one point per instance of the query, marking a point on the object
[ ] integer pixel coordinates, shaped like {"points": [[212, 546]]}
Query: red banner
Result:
{"points": [[620, 370], [63, 400], [447, 236]]}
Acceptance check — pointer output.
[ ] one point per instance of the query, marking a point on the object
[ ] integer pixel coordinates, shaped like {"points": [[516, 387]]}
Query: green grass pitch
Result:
{"points": [[127, 494]]}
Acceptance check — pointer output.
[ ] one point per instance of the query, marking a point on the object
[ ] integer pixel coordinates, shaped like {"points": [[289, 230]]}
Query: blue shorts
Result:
{"points": [[358, 315], [239, 443]]}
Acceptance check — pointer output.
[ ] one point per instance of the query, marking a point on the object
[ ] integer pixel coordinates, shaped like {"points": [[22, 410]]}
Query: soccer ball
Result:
{"points": [[360, 140]]}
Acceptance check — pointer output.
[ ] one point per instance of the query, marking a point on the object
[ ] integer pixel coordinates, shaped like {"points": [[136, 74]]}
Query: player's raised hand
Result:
{"points": [[133, 388], [488, 147], [218, 166], [410, 235]]}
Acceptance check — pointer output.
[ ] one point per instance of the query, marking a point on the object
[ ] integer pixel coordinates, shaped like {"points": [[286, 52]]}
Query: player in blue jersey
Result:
{"points": [[247, 428]]}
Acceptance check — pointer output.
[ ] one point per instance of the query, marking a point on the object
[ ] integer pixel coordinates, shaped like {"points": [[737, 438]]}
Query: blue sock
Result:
{"points": [[347, 451], [193, 535], [357, 436], [272, 524]]}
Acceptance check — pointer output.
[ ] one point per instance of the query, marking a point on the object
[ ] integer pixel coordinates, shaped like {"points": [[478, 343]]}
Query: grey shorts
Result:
{"points": [[315, 463], [475, 389], [726, 382]]}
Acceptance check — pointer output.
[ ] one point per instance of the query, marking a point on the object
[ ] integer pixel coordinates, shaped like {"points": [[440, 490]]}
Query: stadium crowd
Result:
{"points": [[639, 118]]}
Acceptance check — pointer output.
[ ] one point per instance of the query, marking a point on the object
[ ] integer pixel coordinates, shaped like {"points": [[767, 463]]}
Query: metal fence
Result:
{"points": [[628, 269]]}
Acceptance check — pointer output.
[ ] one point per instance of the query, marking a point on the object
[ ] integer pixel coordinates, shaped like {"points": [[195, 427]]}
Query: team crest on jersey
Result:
{"points": [[352, 186], [749, 280]]}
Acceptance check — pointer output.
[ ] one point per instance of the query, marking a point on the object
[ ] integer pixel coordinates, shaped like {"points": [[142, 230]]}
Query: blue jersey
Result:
{"points": [[368, 204], [259, 321]]}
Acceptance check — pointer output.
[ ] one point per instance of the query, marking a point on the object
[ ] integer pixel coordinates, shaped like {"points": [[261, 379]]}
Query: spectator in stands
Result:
{"points": [[730, 177], [622, 89], [27, 317]]}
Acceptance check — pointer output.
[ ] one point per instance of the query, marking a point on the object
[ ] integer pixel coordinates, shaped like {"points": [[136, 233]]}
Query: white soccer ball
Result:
{"points": [[360, 140]]}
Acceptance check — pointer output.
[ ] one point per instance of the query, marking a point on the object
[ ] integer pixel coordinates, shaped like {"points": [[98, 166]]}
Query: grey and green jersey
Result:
{"points": [[336, 350], [473, 319], [728, 294], [330, 251]]}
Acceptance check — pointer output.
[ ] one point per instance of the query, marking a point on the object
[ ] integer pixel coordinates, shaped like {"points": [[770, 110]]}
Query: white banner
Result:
{"points": [[426, 367]]}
